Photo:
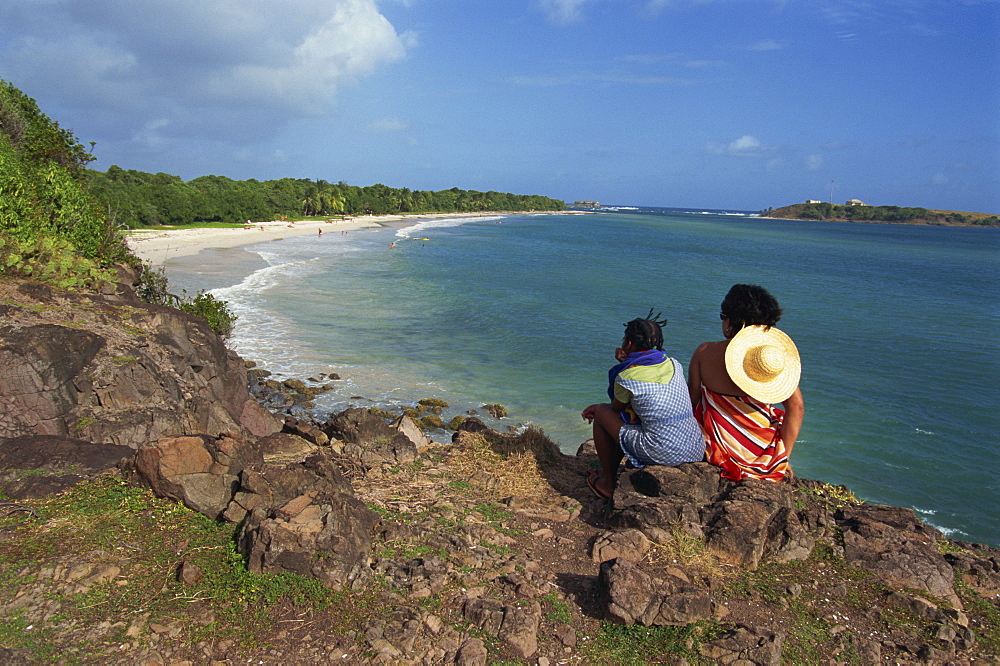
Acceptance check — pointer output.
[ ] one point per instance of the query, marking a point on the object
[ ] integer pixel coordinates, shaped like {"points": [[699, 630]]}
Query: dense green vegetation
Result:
{"points": [[141, 199], [50, 226], [896, 214], [63, 223]]}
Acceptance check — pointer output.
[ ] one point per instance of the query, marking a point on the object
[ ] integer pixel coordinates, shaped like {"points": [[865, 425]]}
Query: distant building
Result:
{"points": [[811, 201], [587, 204], [856, 202]]}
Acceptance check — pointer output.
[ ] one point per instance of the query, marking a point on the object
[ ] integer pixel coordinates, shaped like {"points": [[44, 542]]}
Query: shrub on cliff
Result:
{"points": [[216, 312], [48, 219]]}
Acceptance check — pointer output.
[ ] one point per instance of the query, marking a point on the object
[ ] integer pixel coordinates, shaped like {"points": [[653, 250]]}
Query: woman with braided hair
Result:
{"points": [[649, 419]]}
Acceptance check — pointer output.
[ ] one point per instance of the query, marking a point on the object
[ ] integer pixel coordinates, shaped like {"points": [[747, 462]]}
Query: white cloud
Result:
{"points": [[563, 11], [814, 162], [745, 146], [150, 134], [705, 64], [745, 143], [656, 6], [228, 69]]}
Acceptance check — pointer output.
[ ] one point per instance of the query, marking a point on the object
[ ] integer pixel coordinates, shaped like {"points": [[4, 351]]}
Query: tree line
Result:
{"points": [[138, 199], [897, 214]]}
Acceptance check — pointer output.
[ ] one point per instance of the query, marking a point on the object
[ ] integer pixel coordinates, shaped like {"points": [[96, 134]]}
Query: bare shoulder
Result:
{"points": [[709, 349], [701, 349]]}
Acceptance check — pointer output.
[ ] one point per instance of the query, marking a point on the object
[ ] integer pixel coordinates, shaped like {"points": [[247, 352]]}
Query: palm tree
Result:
{"points": [[309, 204]]}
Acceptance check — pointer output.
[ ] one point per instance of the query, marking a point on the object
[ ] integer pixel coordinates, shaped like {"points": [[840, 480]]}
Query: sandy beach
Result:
{"points": [[157, 246]]}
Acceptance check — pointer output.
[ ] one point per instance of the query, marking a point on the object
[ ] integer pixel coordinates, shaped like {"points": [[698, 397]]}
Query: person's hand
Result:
{"points": [[588, 413], [620, 354]]}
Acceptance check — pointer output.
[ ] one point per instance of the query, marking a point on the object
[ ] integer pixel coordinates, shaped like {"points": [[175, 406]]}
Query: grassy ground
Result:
{"points": [[94, 576]]}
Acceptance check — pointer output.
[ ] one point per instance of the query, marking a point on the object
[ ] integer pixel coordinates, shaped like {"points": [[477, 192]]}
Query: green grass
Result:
{"points": [[635, 645], [494, 512], [148, 538], [560, 609], [988, 616]]}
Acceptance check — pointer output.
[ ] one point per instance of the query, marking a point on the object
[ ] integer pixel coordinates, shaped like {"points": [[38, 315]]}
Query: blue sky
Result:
{"points": [[697, 103]]}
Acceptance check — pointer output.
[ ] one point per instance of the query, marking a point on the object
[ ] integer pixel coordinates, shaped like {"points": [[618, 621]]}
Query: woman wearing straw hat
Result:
{"points": [[735, 384]]}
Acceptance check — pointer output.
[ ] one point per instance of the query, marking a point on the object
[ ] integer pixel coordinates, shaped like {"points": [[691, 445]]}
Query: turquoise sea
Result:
{"points": [[898, 328]]}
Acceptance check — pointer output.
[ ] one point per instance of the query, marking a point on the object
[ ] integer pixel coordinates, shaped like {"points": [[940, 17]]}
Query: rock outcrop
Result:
{"points": [[33, 466], [92, 383], [114, 370], [198, 470]]}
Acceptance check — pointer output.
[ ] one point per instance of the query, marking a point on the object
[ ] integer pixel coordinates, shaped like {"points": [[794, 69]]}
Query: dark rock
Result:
{"points": [[189, 574], [305, 430], [357, 426], [739, 526], [891, 543], [698, 482], [431, 574], [322, 535], [742, 523], [200, 471], [634, 597], [285, 444], [377, 441], [56, 463], [472, 425], [566, 635], [118, 373], [268, 486], [630, 544], [587, 449], [745, 645], [37, 368], [472, 653], [516, 627]]}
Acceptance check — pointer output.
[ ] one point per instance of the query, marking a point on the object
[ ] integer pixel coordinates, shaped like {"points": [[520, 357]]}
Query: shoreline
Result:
{"points": [[157, 246], [221, 268]]}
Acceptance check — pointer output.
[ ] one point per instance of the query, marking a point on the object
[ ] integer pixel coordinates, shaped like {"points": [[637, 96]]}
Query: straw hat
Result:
{"points": [[763, 362]]}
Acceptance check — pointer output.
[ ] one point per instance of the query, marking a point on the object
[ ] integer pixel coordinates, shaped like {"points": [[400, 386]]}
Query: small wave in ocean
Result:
{"points": [[443, 222], [950, 532]]}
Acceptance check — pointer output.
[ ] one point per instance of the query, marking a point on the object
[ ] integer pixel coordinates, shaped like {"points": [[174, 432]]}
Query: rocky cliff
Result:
{"points": [[110, 369], [487, 548]]}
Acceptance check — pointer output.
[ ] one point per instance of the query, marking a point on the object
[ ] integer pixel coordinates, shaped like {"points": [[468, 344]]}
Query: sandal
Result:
{"points": [[592, 483]]}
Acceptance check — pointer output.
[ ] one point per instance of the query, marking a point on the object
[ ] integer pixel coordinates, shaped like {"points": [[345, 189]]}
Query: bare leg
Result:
{"points": [[607, 426]]}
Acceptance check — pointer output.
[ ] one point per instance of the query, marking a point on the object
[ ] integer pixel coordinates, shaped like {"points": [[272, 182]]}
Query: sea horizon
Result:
{"points": [[525, 310]]}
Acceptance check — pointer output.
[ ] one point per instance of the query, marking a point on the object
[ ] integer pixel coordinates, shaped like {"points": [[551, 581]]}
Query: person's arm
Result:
{"points": [[694, 375], [795, 410], [589, 411]]}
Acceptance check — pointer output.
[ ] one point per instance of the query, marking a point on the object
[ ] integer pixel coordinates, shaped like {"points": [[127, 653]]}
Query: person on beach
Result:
{"points": [[735, 384], [649, 419]]}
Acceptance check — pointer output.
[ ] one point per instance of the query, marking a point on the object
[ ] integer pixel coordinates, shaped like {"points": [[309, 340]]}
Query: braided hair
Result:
{"points": [[646, 333]]}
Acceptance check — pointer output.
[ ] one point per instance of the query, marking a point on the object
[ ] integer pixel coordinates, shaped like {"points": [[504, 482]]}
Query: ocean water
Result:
{"points": [[898, 328]]}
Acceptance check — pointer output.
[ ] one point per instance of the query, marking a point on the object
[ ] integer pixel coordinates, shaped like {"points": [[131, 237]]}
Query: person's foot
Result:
{"points": [[599, 485]]}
